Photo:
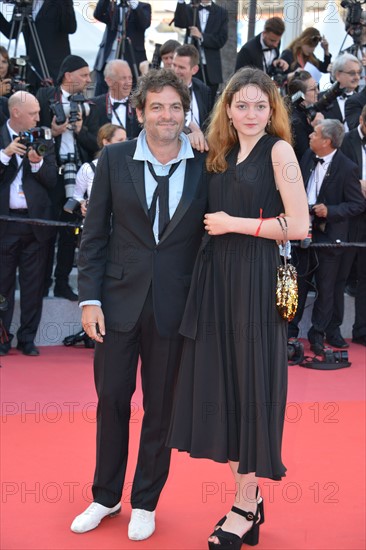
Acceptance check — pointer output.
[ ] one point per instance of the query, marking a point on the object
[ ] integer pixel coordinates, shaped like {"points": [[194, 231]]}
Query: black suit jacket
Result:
{"points": [[214, 37], [138, 21], [352, 148], [86, 139], [354, 106], [101, 102], [204, 100], [36, 187], [251, 54], [54, 22], [119, 259], [341, 194]]}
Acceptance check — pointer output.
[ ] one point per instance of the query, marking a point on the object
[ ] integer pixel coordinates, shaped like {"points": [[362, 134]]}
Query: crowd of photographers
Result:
{"points": [[51, 134]]}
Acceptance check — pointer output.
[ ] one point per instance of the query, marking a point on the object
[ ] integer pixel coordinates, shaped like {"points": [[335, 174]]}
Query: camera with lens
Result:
{"points": [[354, 18], [327, 98], [17, 71], [278, 75], [71, 111], [332, 356], [36, 138], [295, 351], [72, 206]]}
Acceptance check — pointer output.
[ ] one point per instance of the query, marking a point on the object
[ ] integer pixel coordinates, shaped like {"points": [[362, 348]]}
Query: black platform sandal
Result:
{"points": [[260, 510], [230, 541]]}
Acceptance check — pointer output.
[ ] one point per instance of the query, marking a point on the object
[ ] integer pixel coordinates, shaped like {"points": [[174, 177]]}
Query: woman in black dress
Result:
{"points": [[231, 391]]}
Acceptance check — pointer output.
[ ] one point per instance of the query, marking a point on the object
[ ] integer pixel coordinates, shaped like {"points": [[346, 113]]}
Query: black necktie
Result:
{"points": [[161, 191]]}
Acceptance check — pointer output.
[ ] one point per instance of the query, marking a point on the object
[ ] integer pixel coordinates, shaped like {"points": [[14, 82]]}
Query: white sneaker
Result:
{"points": [[92, 516], [142, 524]]}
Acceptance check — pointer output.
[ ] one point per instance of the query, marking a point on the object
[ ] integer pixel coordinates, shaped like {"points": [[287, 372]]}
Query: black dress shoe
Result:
{"points": [[337, 342], [4, 348], [28, 348], [358, 340], [65, 292]]}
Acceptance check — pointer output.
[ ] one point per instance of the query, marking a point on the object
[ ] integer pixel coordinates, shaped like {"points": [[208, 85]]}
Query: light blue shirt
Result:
{"points": [[176, 180]]}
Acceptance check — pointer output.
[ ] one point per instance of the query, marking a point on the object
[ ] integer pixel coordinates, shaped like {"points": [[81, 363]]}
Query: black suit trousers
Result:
{"points": [[325, 267], [115, 368], [20, 249]]}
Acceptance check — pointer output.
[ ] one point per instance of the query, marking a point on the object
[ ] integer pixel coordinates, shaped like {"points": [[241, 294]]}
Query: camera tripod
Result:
{"points": [[22, 16], [190, 40], [123, 40]]}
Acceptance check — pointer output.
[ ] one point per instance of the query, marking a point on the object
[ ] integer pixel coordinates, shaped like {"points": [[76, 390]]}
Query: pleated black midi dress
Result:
{"points": [[231, 390]]}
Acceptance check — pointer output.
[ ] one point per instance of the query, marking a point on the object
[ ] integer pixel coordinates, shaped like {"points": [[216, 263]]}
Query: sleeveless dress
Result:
{"points": [[231, 390]]}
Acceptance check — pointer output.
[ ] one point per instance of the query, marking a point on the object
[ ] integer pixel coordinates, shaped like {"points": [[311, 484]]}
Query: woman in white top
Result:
{"points": [[107, 134]]}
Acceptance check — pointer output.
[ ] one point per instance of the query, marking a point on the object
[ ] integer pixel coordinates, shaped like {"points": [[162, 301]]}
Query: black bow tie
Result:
{"points": [[317, 160], [201, 7], [267, 49], [363, 140], [344, 95], [116, 104]]}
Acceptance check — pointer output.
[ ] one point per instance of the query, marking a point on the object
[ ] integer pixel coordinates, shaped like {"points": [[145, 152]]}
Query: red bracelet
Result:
{"points": [[261, 221]]}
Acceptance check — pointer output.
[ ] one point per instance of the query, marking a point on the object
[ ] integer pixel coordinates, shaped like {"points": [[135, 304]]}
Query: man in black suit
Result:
{"points": [[185, 65], [354, 147], [26, 177], [346, 69], [54, 20], [207, 28], [354, 106], [75, 143], [263, 51], [136, 260], [137, 18], [334, 196], [115, 106]]}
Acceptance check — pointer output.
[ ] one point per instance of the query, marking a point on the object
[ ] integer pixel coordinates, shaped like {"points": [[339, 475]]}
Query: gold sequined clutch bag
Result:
{"points": [[286, 287]]}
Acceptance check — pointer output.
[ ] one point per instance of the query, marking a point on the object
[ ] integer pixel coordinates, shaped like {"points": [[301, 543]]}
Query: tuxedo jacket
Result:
{"points": [[333, 111], [354, 106], [352, 148], [119, 259], [54, 22], [103, 108], [214, 37], [36, 187], [251, 54], [137, 22], [341, 194], [204, 100], [86, 139]]}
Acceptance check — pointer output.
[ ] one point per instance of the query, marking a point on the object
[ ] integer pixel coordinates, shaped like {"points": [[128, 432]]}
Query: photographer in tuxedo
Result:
{"points": [[137, 18], [75, 143], [354, 147], [27, 175], [263, 51], [209, 34], [54, 20], [115, 106], [334, 196]]}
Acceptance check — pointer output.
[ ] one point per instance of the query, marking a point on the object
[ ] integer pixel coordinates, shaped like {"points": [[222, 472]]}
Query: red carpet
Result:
{"points": [[47, 460]]}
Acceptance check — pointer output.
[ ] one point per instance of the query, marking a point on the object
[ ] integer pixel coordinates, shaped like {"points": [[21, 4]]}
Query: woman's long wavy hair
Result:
{"points": [[309, 37], [222, 136]]}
